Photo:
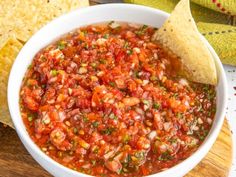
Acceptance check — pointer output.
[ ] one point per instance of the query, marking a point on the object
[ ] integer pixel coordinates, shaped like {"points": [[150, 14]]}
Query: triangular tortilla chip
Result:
{"points": [[179, 33], [25, 17], [8, 53]]}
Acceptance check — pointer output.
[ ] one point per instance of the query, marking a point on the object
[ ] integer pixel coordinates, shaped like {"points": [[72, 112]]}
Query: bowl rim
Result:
{"points": [[29, 143]]}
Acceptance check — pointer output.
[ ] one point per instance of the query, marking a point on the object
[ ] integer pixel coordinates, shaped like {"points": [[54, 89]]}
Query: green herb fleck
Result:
{"points": [[84, 32], [136, 74], [165, 156], [95, 124], [61, 45], [112, 84], [141, 30], [75, 130], [126, 139], [172, 140], [30, 118], [206, 88], [93, 162], [54, 72], [106, 36], [94, 65], [179, 115], [156, 105], [175, 95], [86, 46], [153, 78], [126, 45], [111, 22], [85, 119], [108, 131], [95, 151], [102, 61], [129, 52]]}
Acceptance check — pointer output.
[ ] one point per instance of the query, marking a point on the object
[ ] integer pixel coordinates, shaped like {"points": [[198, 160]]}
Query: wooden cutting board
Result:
{"points": [[218, 161], [15, 161]]}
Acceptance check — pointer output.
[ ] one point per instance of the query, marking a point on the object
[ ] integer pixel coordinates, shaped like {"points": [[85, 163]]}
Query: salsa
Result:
{"points": [[107, 101]]}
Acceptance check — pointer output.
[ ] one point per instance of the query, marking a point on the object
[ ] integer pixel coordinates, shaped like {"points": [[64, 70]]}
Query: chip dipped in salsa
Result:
{"points": [[105, 100]]}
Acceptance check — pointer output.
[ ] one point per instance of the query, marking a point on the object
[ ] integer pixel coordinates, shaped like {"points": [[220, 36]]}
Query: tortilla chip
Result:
{"points": [[26, 17], [8, 53], [179, 33]]}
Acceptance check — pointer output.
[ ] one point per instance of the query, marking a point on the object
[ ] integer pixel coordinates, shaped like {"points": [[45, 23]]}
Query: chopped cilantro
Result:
{"points": [[95, 124], [93, 46], [141, 30], [172, 140], [75, 130], [94, 65], [95, 151], [84, 32], [153, 78], [165, 156], [54, 72], [30, 118], [111, 22], [106, 36], [86, 46], [85, 119], [102, 61], [175, 95], [108, 131], [179, 115], [156, 105], [129, 52], [61, 45], [112, 84], [126, 45], [126, 139], [144, 27], [146, 102], [206, 88], [93, 162], [136, 74]]}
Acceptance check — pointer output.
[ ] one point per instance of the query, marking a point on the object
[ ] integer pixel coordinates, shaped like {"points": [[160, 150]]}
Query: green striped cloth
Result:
{"points": [[216, 20]]}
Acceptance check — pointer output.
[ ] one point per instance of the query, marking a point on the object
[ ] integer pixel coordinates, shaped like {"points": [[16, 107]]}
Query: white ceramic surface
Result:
{"points": [[90, 15], [231, 111]]}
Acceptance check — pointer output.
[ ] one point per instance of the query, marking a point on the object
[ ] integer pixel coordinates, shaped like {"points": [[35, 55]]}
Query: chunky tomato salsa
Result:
{"points": [[107, 101]]}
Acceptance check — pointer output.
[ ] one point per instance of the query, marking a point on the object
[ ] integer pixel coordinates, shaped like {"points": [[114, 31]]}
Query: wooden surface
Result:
{"points": [[15, 161], [218, 161]]}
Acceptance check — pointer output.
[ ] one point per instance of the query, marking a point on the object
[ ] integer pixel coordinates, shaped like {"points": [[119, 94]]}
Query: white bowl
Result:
{"points": [[86, 16]]}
